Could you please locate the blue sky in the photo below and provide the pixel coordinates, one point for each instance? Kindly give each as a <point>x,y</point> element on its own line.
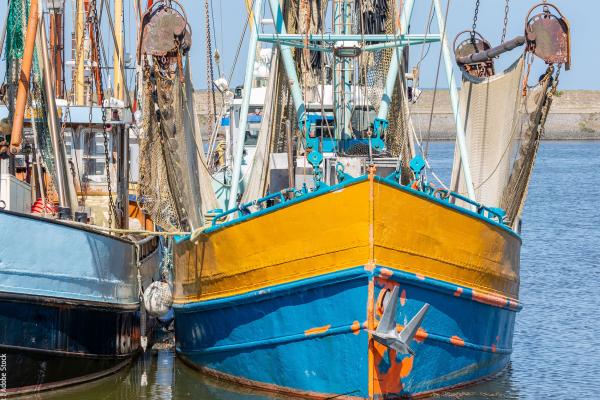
<point>582,15</point>
<point>229,17</point>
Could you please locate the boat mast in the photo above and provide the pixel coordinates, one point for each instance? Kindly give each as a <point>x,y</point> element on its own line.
<point>119,86</point>
<point>16,138</point>
<point>123,131</point>
<point>79,54</point>
<point>57,38</point>
<point>67,196</point>
<point>344,69</point>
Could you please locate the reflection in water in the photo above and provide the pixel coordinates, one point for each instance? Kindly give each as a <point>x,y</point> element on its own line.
<point>157,375</point>
<point>555,345</point>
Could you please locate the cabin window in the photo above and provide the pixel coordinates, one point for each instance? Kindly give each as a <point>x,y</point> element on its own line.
<point>92,156</point>
<point>323,128</point>
<point>68,138</point>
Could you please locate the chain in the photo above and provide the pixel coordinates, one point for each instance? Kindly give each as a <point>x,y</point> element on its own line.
<point>555,80</point>
<point>212,112</point>
<point>506,10</point>
<point>112,209</point>
<point>474,26</point>
<point>111,204</point>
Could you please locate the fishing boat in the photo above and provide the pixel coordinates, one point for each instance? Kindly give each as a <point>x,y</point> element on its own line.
<point>361,278</point>
<point>70,285</point>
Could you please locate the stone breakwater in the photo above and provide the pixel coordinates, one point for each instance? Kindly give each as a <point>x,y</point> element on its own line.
<point>575,114</point>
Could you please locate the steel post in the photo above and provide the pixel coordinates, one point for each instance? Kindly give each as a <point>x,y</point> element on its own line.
<point>288,62</point>
<point>390,82</point>
<point>65,187</point>
<point>460,129</point>
<point>241,131</point>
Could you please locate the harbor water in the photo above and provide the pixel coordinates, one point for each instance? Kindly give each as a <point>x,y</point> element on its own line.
<point>556,351</point>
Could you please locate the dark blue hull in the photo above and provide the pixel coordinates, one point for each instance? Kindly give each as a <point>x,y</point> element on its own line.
<point>50,342</point>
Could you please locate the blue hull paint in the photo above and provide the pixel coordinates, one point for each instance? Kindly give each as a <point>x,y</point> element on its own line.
<point>302,337</point>
<point>49,258</point>
<point>68,302</point>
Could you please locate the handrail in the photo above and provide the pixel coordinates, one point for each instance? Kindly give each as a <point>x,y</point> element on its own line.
<point>490,213</point>
<point>245,208</point>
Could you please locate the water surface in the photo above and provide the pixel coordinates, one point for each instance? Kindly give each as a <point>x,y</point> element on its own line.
<point>556,344</point>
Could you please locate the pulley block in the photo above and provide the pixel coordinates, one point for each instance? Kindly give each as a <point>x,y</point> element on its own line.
<point>475,43</point>
<point>166,30</point>
<point>548,35</point>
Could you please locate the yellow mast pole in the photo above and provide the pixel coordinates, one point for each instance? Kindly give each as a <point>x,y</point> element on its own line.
<point>119,87</point>
<point>79,54</point>
<point>249,9</point>
<point>16,139</point>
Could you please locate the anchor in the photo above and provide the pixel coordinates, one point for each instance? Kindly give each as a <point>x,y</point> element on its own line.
<point>386,333</point>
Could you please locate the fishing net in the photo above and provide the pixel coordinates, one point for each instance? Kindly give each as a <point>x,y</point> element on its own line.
<point>503,130</point>
<point>15,29</point>
<point>156,198</point>
<point>175,186</point>
<point>490,111</point>
<point>536,107</point>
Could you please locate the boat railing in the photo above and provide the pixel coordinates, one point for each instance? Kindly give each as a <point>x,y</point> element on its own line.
<point>441,194</point>
<point>493,213</point>
<point>246,208</point>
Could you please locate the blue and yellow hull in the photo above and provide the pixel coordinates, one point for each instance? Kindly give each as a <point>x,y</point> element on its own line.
<point>281,300</point>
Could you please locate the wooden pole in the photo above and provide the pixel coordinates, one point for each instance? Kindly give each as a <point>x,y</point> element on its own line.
<point>57,47</point>
<point>67,197</point>
<point>16,138</point>
<point>119,88</point>
<point>79,54</point>
<point>95,58</point>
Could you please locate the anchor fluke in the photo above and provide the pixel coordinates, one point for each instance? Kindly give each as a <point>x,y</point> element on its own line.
<point>386,333</point>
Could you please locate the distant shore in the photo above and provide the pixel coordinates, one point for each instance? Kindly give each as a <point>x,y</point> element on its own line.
<point>575,115</point>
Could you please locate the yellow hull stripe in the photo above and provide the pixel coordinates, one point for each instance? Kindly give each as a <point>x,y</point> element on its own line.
<point>365,223</point>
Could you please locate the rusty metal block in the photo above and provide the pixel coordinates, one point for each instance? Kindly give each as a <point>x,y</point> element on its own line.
<point>165,31</point>
<point>548,35</point>
<point>474,44</point>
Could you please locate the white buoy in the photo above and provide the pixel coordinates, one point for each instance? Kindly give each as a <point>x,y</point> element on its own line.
<point>158,298</point>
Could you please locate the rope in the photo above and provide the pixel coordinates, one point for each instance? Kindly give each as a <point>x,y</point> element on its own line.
<point>141,232</point>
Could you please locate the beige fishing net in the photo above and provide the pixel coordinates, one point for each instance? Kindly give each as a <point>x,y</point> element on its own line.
<point>503,129</point>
